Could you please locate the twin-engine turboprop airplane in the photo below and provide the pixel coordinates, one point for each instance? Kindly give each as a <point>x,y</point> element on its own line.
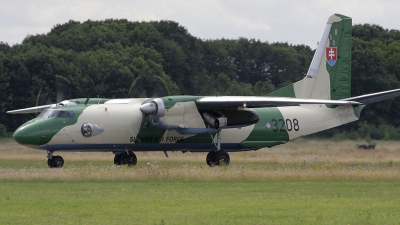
<point>217,125</point>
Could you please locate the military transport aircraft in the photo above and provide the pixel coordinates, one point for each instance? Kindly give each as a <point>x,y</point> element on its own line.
<point>214,124</point>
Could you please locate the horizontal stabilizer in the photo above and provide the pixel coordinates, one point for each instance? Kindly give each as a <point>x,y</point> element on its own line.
<point>374,97</point>
<point>254,101</point>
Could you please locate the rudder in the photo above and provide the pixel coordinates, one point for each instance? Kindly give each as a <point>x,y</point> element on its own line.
<point>341,71</point>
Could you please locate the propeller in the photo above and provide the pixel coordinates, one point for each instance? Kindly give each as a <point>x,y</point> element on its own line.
<point>155,109</point>
<point>141,88</point>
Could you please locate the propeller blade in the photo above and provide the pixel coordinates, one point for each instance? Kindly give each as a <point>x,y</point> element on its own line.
<point>31,109</point>
<point>61,89</point>
<point>62,86</point>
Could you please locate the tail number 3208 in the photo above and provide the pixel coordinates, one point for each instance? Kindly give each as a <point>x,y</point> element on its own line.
<point>283,125</point>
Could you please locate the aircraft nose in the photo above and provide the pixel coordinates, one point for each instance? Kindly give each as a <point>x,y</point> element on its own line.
<point>28,135</point>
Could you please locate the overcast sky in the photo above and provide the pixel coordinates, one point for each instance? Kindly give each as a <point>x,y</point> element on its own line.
<point>292,21</point>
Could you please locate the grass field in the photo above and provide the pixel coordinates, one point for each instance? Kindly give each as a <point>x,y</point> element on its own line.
<point>302,182</point>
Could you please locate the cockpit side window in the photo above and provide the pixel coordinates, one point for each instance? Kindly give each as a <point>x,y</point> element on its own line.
<point>62,114</point>
<point>71,114</point>
<point>50,113</point>
<point>44,113</point>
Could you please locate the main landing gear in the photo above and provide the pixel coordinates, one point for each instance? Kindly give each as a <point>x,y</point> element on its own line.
<point>218,157</point>
<point>54,161</point>
<point>126,158</point>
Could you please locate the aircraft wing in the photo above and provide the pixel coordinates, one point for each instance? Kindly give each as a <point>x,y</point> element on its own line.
<point>374,97</point>
<point>31,109</point>
<point>254,101</point>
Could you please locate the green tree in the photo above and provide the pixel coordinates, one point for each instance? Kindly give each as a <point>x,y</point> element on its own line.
<point>263,88</point>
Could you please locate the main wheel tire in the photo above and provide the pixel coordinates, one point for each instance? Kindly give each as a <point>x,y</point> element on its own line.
<point>49,163</point>
<point>117,159</point>
<point>131,160</point>
<point>209,158</point>
<point>128,159</point>
<point>57,162</point>
<point>221,158</point>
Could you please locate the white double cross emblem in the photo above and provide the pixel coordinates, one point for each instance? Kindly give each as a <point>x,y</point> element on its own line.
<point>331,53</point>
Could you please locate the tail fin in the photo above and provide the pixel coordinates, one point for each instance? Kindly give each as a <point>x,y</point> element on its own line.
<point>329,75</point>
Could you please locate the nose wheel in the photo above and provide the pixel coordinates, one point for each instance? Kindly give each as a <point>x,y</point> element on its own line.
<point>54,161</point>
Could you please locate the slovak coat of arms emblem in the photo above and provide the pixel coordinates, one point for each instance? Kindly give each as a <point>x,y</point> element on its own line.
<point>331,55</point>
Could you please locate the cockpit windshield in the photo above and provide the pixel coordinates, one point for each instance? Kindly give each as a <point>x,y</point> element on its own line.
<point>50,113</point>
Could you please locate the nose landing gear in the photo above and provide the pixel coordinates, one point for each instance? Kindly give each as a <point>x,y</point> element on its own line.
<point>54,161</point>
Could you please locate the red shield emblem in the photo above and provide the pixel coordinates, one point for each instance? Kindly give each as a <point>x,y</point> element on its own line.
<point>331,55</point>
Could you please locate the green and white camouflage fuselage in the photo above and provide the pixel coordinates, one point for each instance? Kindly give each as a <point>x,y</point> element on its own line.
<point>119,125</point>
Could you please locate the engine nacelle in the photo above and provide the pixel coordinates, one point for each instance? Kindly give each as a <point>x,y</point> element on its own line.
<point>155,109</point>
<point>215,122</point>
<point>65,102</point>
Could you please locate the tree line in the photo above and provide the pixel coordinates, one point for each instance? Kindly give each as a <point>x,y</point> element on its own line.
<point>120,58</point>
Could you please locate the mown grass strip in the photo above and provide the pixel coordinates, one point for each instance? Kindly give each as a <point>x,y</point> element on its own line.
<point>204,173</point>
<point>199,202</point>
